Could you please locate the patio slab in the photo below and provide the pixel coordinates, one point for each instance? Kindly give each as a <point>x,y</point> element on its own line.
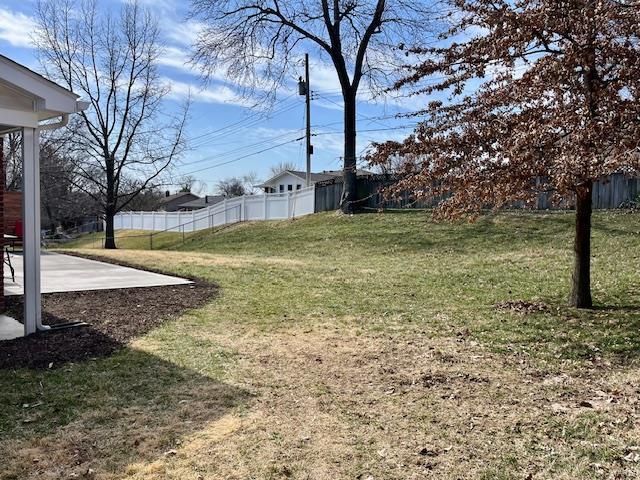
<point>10,328</point>
<point>66,273</point>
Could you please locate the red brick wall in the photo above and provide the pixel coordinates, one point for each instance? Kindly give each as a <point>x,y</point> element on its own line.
<point>12,210</point>
<point>2,182</point>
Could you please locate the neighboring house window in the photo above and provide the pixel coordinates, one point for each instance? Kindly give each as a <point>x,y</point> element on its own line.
<point>290,187</point>
<point>298,187</point>
<point>281,188</point>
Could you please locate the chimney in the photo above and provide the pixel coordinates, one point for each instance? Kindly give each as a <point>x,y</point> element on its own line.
<point>167,193</point>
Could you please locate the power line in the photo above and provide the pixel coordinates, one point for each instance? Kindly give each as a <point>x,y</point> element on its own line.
<point>223,131</point>
<point>239,149</point>
<point>244,156</point>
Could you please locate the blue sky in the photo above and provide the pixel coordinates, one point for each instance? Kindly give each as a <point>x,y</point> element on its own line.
<point>216,105</point>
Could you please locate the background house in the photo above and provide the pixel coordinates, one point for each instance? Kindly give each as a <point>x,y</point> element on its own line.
<point>291,180</point>
<point>187,202</point>
<point>171,203</point>
<point>197,204</point>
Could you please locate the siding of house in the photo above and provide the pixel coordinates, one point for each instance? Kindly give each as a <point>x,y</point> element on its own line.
<point>284,181</point>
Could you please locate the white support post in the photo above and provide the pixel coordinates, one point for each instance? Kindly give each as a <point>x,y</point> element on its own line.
<point>224,209</point>
<point>31,234</point>
<point>288,205</point>
<point>264,207</point>
<point>153,221</point>
<point>141,220</point>
<point>193,220</point>
<point>243,210</point>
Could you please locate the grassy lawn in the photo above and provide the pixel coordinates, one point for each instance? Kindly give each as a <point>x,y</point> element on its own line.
<point>364,347</point>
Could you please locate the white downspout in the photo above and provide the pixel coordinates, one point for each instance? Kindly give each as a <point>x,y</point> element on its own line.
<point>64,120</point>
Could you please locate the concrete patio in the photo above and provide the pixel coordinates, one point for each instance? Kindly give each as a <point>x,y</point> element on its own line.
<point>66,273</point>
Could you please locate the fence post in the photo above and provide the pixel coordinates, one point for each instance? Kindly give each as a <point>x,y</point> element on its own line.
<point>289,205</point>
<point>243,208</point>
<point>151,241</point>
<point>193,220</point>
<point>265,206</point>
<point>153,221</point>
<point>224,208</point>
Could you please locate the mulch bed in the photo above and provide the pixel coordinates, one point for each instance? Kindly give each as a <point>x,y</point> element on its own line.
<point>115,317</point>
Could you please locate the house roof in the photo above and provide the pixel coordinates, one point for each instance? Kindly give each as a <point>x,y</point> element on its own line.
<point>205,201</point>
<point>27,97</point>
<point>177,196</point>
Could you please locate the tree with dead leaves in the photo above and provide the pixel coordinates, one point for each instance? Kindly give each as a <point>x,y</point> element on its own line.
<point>554,106</point>
<point>255,43</point>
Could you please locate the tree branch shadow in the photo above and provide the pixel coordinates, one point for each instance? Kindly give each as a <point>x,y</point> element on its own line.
<point>101,417</point>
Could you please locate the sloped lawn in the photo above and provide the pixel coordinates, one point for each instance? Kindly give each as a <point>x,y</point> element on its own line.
<point>380,346</point>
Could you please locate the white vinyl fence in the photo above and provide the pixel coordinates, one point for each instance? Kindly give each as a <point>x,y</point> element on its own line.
<point>272,206</point>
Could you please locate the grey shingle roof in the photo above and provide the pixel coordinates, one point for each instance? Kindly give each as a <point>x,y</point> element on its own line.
<point>206,201</point>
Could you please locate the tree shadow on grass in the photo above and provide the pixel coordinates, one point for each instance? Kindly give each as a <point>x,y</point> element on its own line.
<point>106,417</point>
<point>604,332</point>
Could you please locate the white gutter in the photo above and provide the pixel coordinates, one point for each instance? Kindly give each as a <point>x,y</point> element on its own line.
<point>64,120</point>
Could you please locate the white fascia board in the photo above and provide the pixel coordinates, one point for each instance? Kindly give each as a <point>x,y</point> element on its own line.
<point>18,118</point>
<point>56,98</point>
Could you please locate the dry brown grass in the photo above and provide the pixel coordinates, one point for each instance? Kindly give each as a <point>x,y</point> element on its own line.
<point>325,403</point>
<point>332,404</point>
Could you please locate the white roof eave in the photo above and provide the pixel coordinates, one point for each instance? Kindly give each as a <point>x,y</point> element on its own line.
<point>49,99</point>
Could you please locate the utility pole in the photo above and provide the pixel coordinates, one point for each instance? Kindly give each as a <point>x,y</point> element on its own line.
<point>304,89</point>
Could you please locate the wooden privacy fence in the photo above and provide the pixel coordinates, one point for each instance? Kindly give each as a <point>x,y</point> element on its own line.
<point>607,194</point>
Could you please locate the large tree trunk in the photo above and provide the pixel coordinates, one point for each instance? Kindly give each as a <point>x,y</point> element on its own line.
<point>110,204</point>
<point>350,186</point>
<point>109,232</point>
<point>581,280</point>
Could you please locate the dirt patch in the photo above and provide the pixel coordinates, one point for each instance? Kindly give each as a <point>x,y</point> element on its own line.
<point>115,317</point>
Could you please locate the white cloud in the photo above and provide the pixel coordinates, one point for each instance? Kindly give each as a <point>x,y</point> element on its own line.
<point>182,33</point>
<point>220,94</point>
<point>175,57</point>
<point>16,28</point>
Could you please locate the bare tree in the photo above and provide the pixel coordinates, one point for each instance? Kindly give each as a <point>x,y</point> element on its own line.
<point>189,183</point>
<point>257,41</point>
<point>278,168</point>
<point>122,144</point>
<point>63,205</point>
<point>558,109</point>
<point>231,187</point>
<point>13,161</point>
<point>238,186</point>
<point>251,181</point>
